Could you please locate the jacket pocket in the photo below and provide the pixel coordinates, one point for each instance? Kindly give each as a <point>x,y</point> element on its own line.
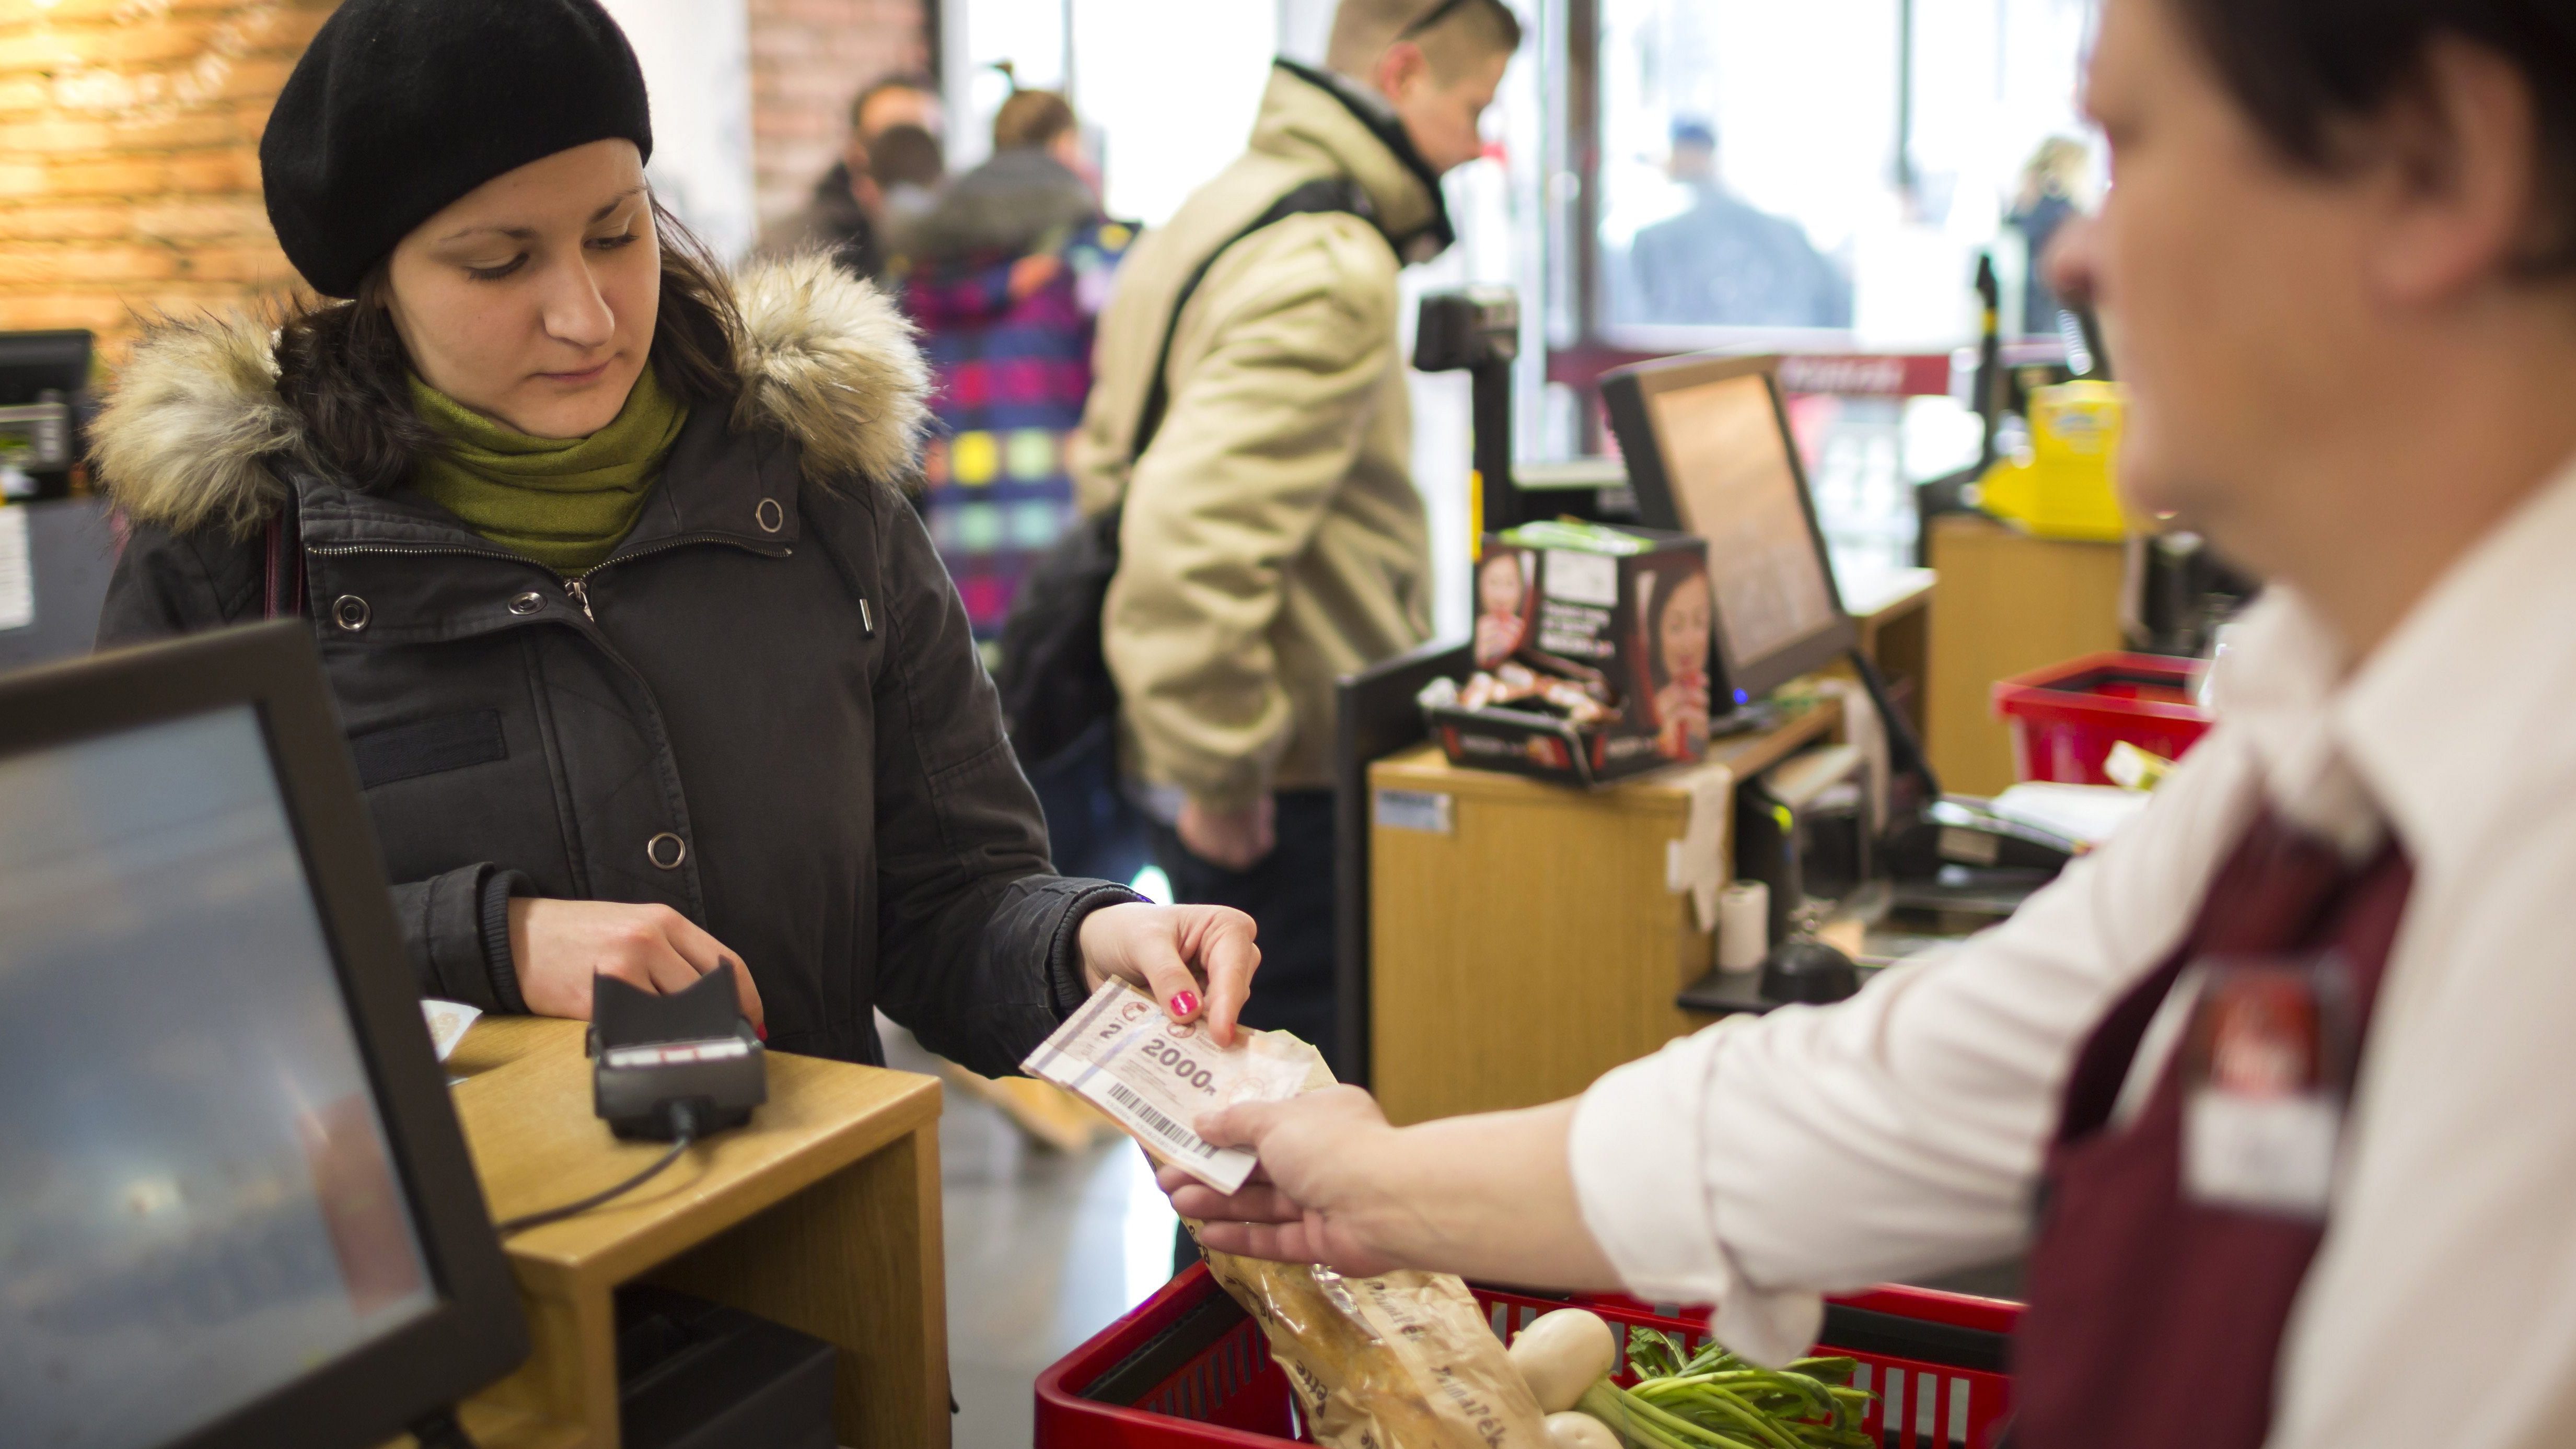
<point>427,747</point>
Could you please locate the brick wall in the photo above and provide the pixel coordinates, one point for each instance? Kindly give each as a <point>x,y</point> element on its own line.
<point>129,168</point>
<point>129,139</point>
<point>808,58</point>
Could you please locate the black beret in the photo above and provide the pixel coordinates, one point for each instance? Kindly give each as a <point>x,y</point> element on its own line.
<point>402,106</point>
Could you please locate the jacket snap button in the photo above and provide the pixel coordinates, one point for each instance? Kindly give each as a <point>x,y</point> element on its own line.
<point>666,850</point>
<point>769,516</point>
<point>349,612</point>
<point>527,603</point>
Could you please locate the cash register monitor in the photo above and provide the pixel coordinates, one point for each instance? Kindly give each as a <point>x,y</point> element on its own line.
<point>35,363</point>
<point>1709,452</point>
<point>235,1205</point>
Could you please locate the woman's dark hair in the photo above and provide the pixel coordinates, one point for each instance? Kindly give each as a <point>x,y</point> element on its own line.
<point>342,367</point>
<point>2300,66</point>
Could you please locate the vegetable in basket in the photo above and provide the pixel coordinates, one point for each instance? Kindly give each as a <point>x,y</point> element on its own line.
<point>1710,1399</point>
<point>1561,1354</point>
<point>1572,1430</point>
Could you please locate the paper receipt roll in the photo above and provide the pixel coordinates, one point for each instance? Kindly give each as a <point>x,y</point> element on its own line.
<point>1743,925</point>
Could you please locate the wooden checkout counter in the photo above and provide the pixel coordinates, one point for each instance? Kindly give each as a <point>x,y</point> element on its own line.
<point>822,1215</point>
<point>1533,944</point>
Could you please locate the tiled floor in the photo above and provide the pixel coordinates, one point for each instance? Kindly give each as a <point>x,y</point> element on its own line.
<point>1043,1250</point>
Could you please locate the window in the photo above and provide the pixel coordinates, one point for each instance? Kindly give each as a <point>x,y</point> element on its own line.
<point>1834,164</point>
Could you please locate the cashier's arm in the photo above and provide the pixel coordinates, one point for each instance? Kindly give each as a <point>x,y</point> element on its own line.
<point>1488,1197</point>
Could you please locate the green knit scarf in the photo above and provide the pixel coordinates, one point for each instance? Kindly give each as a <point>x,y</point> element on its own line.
<point>565,502</point>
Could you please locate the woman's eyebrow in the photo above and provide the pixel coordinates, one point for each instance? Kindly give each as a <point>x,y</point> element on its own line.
<point>614,202</point>
<point>523,233</point>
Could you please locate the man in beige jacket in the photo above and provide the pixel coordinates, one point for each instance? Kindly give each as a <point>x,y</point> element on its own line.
<point>1272,539</point>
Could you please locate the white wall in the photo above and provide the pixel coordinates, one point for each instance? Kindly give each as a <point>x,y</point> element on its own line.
<point>696,56</point>
<point>1166,89</point>
<point>1306,28</point>
<point>1030,34</point>
<point>1172,86</point>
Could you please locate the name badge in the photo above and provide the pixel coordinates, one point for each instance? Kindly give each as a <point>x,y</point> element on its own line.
<point>2267,1064</point>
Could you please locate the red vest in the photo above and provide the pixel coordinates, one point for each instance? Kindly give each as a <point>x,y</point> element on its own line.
<point>2155,1320</point>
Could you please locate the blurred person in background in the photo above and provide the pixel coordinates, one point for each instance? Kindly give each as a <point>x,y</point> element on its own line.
<point>909,171</point>
<point>1727,262</point>
<point>1271,539</point>
<point>2051,184</point>
<point>1005,275</point>
<point>843,215</point>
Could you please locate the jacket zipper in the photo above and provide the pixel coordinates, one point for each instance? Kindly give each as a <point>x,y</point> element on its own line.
<point>343,550</point>
<point>577,587</point>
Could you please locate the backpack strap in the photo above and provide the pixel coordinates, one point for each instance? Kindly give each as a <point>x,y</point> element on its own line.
<point>282,563</point>
<point>1326,194</point>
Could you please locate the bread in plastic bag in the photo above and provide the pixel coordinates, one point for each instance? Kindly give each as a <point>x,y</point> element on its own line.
<point>1398,1361</point>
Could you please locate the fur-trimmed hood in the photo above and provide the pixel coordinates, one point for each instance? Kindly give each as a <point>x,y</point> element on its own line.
<point>192,435</point>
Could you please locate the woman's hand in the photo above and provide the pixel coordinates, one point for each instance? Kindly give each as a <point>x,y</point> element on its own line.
<point>1315,1196</point>
<point>558,946</point>
<point>1177,955</point>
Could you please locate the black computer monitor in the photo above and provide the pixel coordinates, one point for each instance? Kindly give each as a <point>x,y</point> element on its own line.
<point>1709,452</point>
<point>235,1205</point>
<point>34,363</point>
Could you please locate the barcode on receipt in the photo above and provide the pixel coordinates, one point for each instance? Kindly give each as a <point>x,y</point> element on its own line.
<point>1163,1127</point>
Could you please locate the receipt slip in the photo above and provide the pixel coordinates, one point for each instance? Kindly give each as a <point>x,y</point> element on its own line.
<point>1154,1076</point>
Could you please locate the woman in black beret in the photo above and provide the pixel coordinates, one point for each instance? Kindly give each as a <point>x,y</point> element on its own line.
<point>646,664</point>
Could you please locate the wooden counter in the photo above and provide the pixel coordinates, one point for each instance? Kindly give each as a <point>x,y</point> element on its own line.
<point>2010,603</point>
<point>822,1214</point>
<point>1535,945</point>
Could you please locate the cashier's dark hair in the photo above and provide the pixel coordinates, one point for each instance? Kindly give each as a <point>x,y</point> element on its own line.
<point>341,365</point>
<point>2298,67</point>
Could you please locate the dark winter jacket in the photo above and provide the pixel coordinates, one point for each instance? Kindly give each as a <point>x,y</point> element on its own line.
<point>763,710</point>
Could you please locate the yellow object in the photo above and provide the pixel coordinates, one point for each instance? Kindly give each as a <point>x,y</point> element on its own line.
<point>974,459</point>
<point>2066,487</point>
<point>2132,768</point>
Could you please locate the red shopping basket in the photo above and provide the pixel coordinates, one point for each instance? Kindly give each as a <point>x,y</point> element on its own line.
<point>2065,718</point>
<point>1188,1367</point>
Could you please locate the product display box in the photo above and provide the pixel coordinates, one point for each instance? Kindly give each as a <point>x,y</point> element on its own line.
<point>1591,651</point>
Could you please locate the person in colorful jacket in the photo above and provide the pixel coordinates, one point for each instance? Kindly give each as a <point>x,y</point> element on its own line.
<point>1004,276</point>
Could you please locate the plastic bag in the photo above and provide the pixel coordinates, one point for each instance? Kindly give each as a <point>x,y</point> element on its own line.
<point>1399,1361</point>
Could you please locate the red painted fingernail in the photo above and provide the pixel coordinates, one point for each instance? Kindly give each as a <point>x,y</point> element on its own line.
<point>1185,1003</point>
<point>761,1032</point>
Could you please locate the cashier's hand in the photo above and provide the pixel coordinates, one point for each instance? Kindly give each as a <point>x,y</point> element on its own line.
<point>1313,1199</point>
<point>1196,960</point>
<point>558,946</point>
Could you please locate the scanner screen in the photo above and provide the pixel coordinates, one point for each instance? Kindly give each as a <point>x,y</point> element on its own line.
<point>1735,486</point>
<point>197,1203</point>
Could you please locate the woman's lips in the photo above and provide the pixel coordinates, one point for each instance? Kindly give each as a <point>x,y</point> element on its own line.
<point>577,379</point>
